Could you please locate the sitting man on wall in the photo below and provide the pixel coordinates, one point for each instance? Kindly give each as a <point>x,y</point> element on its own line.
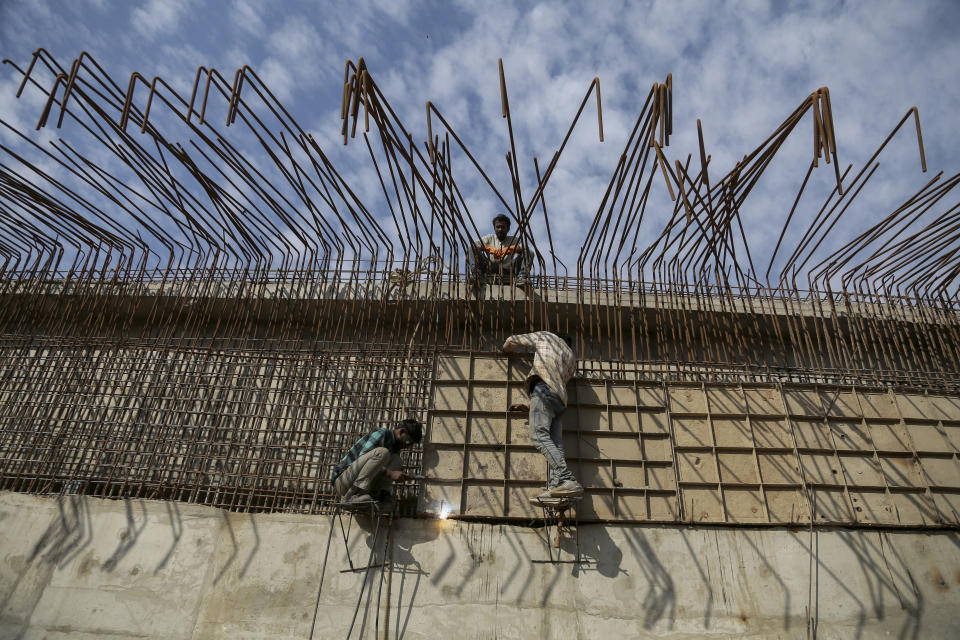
<point>500,255</point>
<point>373,463</point>
<point>554,363</point>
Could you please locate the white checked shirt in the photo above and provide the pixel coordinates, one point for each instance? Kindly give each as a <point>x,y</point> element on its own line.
<point>553,360</point>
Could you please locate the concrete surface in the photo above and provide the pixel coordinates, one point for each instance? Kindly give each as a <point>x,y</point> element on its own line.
<point>80,568</point>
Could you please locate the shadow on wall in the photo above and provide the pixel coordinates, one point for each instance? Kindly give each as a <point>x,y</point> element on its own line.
<point>68,534</point>
<point>407,574</point>
<point>661,598</point>
<point>235,551</point>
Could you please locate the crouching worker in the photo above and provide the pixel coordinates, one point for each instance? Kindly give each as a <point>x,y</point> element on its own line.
<point>553,365</point>
<point>373,463</point>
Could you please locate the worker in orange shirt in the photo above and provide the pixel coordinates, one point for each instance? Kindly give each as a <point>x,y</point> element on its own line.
<point>499,257</point>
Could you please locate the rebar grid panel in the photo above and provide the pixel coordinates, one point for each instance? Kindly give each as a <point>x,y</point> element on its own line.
<point>648,449</point>
<point>245,430</point>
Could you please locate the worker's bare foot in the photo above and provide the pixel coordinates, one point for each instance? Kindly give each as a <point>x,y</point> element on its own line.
<point>519,407</point>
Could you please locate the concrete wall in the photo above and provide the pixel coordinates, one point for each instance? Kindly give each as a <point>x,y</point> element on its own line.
<point>81,568</point>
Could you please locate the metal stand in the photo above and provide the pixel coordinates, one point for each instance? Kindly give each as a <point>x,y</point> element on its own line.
<point>561,515</point>
<point>376,511</point>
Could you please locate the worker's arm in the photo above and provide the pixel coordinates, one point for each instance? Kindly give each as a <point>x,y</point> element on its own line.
<point>520,341</point>
<point>396,476</point>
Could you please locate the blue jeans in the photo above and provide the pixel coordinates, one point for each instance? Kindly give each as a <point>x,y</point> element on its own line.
<point>546,431</point>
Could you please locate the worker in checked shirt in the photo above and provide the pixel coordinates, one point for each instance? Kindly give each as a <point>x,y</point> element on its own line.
<point>554,363</point>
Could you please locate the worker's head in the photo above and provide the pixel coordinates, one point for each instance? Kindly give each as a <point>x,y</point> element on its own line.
<point>501,226</point>
<point>566,337</point>
<point>408,432</point>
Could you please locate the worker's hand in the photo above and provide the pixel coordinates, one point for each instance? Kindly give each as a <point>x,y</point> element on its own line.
<point>396,476</point>
<point>519,407</point>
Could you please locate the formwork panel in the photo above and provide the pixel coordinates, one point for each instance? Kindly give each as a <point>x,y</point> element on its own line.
<point>812,434</point>
<point>590,394</point>
<point>732,432</point>
<point>489,369</point>
<point>821,468</point>
<point>952,433</point>
<point>692,432</point>
<point>687,400</point>
<point>772,433</point>
<point>852,436</point>
<point>443,464</point>
<point>861,470</point>
<point>596,474</point>
<point>914,406</point>
<point>697,467</point>
<point>653,422</point>
<point>518,502</point>
<point>651,397</point>
<point>947,503</point>
<point>802,402</point>
<point>941,471</point>
<point>655,448</point>
<point>490,397</point>
<point>901,471</point>
<point>485,465</point>
<point>483,500</point>
<point>914,509</point>
<point>586,418</point>
<point>737,468</point>
<point>873,506</point>
<point>453,368</point>
<point>622,396</point>
<point>726,400</point>
<point>889,436</point>
<point>526,465</point>
<point>703,504</point>
<point>744,505</point>
<point>779,468</point>
<point>623,419</point>
<point>519,429</point>
<point>879,405</point>
<point>596,506</point>
<point>787,506</point>
<point>764,401</point>
<point>450,397</point>
<point>658,477</point>
<point>489,430</point>
<point>831,505</point>
<point>662,508</point>
<point>749,454</point>
<point>838,403</point>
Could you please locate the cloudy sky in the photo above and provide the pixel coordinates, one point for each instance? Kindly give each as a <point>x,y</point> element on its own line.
<point>741,67</point>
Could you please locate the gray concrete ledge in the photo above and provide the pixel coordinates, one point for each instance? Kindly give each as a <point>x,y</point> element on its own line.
<point>78,568</point>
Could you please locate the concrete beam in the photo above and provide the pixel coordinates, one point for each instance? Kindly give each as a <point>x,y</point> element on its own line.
<point>76,567</point>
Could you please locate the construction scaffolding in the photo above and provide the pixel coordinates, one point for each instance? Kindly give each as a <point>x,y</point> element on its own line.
<point>211,314</point>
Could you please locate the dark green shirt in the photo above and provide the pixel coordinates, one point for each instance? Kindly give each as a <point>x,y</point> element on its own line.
<point>379,438</point>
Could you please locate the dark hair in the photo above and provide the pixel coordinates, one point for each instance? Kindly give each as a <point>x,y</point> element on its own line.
<point>566,337</point>
<point>413,427</point>
<point>501,216</point>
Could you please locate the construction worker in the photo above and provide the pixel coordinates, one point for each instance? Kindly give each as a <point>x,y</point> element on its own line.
<point>554,363</point>
<point>373,463</point>
<point>500,255</point>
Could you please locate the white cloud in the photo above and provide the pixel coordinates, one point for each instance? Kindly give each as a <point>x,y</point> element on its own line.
<point>158,17</point>
<point>246,15</point>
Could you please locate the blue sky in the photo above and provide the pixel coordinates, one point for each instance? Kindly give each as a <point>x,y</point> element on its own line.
<point>740,67</point>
